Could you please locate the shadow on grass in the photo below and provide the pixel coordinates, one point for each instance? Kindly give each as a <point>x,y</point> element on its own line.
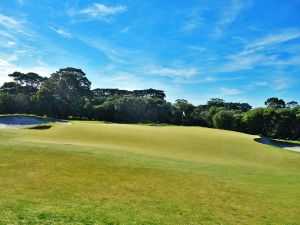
<point>40,127</point>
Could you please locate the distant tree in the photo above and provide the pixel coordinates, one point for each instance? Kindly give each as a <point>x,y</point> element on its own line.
<point>224,119</point>
<point>238,124</point>
<point>183,112</point>
<point>292,104</point>
<point>106,111</point>
<point>149,93</point>
<point>216,102</point>
<point>200,116</point>
<point>45,103</point>
<point>142,110</point>
<point>28,79</point>
<point>210,114</point>
<point>244,107</point>
<point>69,88</point>
<point>275,103</point>
<point>286,125</point>
<point>88,110</point>
<point>110,92</point>
<point>12,88</point>
<point>14,103</point>
<point>104,93</point>
<point>260,121</point>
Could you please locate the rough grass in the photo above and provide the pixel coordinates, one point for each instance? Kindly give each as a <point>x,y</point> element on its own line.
<point>96,173</point>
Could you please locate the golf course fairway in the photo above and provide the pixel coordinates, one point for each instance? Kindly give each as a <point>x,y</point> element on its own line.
<point>98,173</point>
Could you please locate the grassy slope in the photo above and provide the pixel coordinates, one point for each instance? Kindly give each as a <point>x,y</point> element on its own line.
<point>91,172</point>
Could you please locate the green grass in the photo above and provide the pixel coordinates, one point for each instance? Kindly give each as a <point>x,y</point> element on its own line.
<point>96,173</point>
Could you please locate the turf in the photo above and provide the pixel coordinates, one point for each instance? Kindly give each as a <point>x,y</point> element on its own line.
<point>97,173</point>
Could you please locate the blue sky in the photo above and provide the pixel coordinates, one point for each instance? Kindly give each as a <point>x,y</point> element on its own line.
<point>244,51</point>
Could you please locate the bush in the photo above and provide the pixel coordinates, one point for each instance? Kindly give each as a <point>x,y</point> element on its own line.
<point>224,120</point>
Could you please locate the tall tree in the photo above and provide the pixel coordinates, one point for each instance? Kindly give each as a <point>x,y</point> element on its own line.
<point>292,104</point>
<point>216,102</point>
<point>70,88</point>
<point>275,103</point>
<point>11,88</point>
<point>29,82</point>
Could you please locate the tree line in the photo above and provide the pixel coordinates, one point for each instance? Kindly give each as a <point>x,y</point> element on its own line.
<point>67,93</point>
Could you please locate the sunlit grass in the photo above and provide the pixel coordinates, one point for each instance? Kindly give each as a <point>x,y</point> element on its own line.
<point>96,173</point>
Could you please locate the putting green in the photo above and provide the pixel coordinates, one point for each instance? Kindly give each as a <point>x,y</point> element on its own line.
<point>97,173</point>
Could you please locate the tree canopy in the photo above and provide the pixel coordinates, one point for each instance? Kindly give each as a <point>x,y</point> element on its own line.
<point>67,93</point>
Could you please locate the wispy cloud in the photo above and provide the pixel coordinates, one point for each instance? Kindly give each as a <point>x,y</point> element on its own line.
<point>125,29</point>
<point>99,11</point>
<point>183,72</point>
<point>20,2</point>
<point>192,21</point>
<point>12,25</point>
<point>264,52</point>
<point>281,83</point>
<point>271,40</point>
<point>197,48</point>
<point>228,16</point>
<point>8,22</point>
<point>229,91</point>
<point>7,44</point>
<point>62,32</point>
<point>115,54</point>
<point>8,65</point>
<point>239,63</point>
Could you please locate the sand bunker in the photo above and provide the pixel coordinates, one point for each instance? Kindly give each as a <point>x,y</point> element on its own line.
<point>279,144</point>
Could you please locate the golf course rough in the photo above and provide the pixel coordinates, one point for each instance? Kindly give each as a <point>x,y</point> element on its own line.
<point>97,173</point>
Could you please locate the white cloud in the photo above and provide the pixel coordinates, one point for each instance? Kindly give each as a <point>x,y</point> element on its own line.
<point>11,26</point>
<point>193,20</point>
<point>281,83</point>
<point>99,11</point>
<point>264,52</point>
<point>228,16</point>
<point>8,65</point>
<point>62,32</point>
<point>261,83</point>
<point>271,40</point>
<point>191,24</point>
<point>197,48</point>
<point>7,44</point>
<point>185,72</point>
<point>125,29</point>
<point>229,91</point>
<point>9,22</point>
<point>113,53</point>
<point>20,2</point>
<point>238,63</point>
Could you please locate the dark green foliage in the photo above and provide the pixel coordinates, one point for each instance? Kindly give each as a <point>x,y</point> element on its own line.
<point>292,104</point>
<point>200,116</point>
<point>14,103</point>
<point>244,107</point>
<point>182,112</point>
<point>259,121</point>
<point>110,92</point>
<point>275,103</point>
<point>134,110</point>
<point>67,90</point>
<point>216,102</point>
<point>223,120</point>
<point>11,88</point>
<point>67,94</point>
<point>28,80</point>
<point>287,124</point>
